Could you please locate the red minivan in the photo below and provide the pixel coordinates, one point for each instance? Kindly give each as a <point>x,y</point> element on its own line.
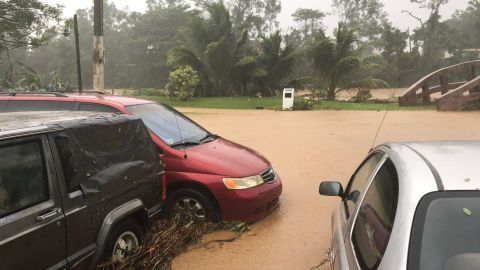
<point>207,176</point>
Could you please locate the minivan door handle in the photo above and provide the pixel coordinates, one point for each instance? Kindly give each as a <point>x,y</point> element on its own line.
<point>49,214</point>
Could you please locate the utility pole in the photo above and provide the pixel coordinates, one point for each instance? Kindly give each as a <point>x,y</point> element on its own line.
<point>409,40</point>
<point>77,48</point>
<point>98,51</point>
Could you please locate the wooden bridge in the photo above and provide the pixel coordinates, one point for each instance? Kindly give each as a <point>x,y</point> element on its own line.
<point>453,96</point>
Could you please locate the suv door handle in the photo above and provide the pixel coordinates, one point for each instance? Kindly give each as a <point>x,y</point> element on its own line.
<point>49,214</point>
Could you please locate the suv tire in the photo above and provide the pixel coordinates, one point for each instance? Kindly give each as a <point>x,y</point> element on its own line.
<point>192,205</point>
<point>125,237</point>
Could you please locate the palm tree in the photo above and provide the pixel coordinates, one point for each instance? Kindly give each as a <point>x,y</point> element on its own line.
<point>277,61</point>
<point>334,60</point>
<point>211,46</point>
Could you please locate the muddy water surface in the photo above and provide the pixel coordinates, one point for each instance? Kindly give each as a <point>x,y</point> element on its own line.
<point>305,148</point>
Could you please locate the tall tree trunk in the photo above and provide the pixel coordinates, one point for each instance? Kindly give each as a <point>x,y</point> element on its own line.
<point>331,95</point>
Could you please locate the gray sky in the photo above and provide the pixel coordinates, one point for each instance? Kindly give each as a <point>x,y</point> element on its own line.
<point>393,7</point>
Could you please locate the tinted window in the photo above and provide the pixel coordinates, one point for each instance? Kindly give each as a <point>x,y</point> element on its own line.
<point>165,123</point>
<point>65,153</point>
<point>23,180</point>
<point>96,108</point>
<point>2,105</point>
<point>446,232</point>
<point>38,105</point>
<point>359,180</point>
<point>375,218</point>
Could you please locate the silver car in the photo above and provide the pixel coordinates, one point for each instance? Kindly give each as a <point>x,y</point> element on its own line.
<point>410,206</point>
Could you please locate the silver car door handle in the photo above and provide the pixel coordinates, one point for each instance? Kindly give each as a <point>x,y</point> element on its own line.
<point>49,214</point>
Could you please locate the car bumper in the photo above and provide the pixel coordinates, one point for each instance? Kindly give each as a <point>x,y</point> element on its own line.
<point>250,205</point>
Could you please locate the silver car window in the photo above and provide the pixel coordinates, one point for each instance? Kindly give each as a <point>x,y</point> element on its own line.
<point>375,217</point>
<point>359,180</point>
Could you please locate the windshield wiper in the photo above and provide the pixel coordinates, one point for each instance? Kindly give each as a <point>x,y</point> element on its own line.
<point>186,143</point>
<point>208,138</point>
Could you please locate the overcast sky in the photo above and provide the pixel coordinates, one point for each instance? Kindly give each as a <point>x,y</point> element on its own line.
<point>393,7</point>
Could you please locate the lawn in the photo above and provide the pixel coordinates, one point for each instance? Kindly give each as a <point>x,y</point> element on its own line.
<point>251,103</point>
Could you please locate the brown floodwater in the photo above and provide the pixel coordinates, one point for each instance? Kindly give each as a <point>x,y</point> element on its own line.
<point>306,148</point>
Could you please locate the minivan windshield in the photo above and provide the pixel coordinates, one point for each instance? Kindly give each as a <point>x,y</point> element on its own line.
<point>446,232</point>
<point>162,121</point>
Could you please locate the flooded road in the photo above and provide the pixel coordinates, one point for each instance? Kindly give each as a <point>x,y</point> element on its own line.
<point>306,148</point>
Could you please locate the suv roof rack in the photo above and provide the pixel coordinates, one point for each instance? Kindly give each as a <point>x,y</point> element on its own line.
<point>89,92</point>
<point>57,94</point>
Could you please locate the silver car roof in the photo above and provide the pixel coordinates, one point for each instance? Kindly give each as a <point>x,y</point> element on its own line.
<point>423,168</point>
<point>454,164</point>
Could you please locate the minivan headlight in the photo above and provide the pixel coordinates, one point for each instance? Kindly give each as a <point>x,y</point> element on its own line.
<point>243,183</point>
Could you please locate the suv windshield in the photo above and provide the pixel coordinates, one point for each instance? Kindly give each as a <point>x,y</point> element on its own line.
<point>162,120</point>
<point>446,232</point>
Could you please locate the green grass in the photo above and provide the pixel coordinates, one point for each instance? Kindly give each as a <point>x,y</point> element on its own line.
<point>251,103</point>
<point>350,106</point>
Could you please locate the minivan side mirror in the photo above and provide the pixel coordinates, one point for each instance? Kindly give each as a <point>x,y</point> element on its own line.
<point>331,189</point>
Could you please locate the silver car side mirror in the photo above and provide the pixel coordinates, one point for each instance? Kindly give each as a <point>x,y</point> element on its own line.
<point>331,189</point>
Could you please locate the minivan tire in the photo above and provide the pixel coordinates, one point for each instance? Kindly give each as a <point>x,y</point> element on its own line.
<point>128,228</point>
<point>195,203</point>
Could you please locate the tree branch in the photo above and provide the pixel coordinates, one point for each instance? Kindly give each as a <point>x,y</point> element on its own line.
<point>413,16</point>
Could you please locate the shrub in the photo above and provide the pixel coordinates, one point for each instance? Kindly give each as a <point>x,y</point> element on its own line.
<point>363,95</point>
<point>303,105</point>
<point>150,92</point>
<point>183,82</point>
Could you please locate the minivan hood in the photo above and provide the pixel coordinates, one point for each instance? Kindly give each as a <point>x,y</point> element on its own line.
<point>226,158</point>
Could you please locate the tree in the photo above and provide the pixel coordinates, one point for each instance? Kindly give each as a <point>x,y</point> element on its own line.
<point>465,26</point>
<point>26,23</point>
<point>367,17</point>
<point>394,43</point>
<point>277,62</point>
<point>311,21</point>
<point>339,67</point>
<point>152,36</point>
<point>183,82</point>
<point>430,33</point>
<point>335,59</point>
<point>256,16</point>
<point>212,47</point>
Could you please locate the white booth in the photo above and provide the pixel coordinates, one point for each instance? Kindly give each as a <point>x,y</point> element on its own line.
<point>288,98</point>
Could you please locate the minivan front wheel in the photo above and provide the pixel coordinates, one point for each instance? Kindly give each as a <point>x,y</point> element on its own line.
<point>192,205</point>
<point>125,238</point>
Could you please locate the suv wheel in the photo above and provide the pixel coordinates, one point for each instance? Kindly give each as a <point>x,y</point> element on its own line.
<point>125,238</point>
<point>192,205</point>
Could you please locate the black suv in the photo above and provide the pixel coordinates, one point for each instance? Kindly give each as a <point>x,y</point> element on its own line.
<point>75,188</point>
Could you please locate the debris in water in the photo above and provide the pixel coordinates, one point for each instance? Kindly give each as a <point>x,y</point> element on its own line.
<point>168,238</point>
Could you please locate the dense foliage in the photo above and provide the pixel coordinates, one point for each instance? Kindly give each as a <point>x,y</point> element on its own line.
<point>183,82</point>
<point>26,23</point>
<point>236,47</point>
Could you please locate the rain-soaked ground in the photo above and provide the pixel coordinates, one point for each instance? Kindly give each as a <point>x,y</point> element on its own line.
<point>305,148</point>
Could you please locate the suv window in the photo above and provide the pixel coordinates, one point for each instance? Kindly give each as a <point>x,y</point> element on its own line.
<point>375,218</point>
<point>38,105</point>
<point>90,107</point>
<point>359,180</point>
<point>23,181</point>
<point>65,153</point>
<point>2,105</point>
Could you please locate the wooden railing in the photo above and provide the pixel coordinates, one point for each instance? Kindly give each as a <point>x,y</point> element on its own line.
<point>421,92</point>
<point>458,98</point>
